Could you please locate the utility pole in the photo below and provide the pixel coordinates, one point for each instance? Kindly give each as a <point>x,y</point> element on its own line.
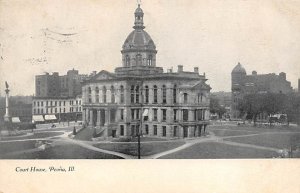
<point>141,122</point>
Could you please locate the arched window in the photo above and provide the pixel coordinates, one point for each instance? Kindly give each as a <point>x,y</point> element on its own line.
<point>139,60</point>
<point>97,94</point>
<point>89,94</point>
<point>127,60</point>
<point>164,94</point>
<point>122,94</point>
<point>112,91</point>
<point>175,94</point>
<point>132,94</point>
<point>137,94</point>
<point>104,94</point>
<point>155,94</point>
<point>146,94</point>
<point>149,61</point>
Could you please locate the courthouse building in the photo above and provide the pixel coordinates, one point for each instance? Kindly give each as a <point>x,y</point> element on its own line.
<point>140,95</point>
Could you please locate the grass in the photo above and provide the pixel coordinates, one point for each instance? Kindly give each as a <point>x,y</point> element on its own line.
<point>213,150</point>
<point>66,151</point>
<point>36,136</point>
<point>223,132</point>
<point>255,129</point>
<point>6,147</point>
<point>146,148</point>
<point>275,140</point>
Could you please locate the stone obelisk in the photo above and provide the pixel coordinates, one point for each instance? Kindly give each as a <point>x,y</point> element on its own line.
<point>7,117</point>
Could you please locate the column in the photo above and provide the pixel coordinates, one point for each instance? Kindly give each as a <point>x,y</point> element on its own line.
<point>91,118</point>
<point>83,116</point>
<point>98,117</point>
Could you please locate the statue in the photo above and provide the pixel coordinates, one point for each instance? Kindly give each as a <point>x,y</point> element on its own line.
<point>7,117</point>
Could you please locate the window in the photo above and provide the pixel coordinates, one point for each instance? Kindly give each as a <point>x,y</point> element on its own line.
<point>164,94</point>
<point>154,114</point>
<point>42,103</point>
<point>122,94</point>
<point>38,104</point>
<point>132,114</point>
<point>104,94</point>
<point>175,94</point>
<point>146,129</point>
<point>137,111</point>
<point>112,90</point>
<point>164,131</point>
<point>200,97</point>
<point>132,94</point>
<point>149,60</point>
<point>112,115</point>
<point>38,111</point>
<point>97,95</point>
<point>185,97</point>
<point>55,110</point>
<point>89,94</point>
<point>164,114</point>
<point>132,130</point>
<point>154,129</point>
<point>64,110</point>
<point>34,103</point>
<point>139,60</point>
<point>185,114</point>
<point>175,114</point>
<point>122,114</point>
<point>175,131</point>
<point>64,103</point>
<point>146,94</point>
<point>155,94</point>
<point>42,111</point>
<point>122,130</point>
<point>127,60</point>
<point>137,94</point>
<point>59,103</point>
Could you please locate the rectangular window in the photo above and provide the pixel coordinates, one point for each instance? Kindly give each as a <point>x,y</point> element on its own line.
<point>164,114</point>
<point>137,113</point>
<point>122,130</point>
<point>132,114</point>
<point>38,104</point>
<point>175,131</point>
<point>185,115</point>
<point>154,114</point>
<point>175,114</point>
<point>154,129</point>
<point>132,130</point>
<point>146,129</point>
<point>122,114</point>
<point>164,128</point>
<point>42,104</point>
<point>185,97</point>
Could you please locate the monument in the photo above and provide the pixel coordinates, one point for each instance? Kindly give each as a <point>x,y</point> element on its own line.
<point>7,117</point>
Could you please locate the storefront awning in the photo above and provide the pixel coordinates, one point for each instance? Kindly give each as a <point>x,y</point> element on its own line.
<point>50,117</point>
<point>15,120</point>
<point>37,118</point>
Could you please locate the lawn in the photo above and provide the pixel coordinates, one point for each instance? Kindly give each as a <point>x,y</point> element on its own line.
<point>255,129</point>
<point>213,150</point>
<point>224,132</point>
<point>66,151</point>
<point>36,136</point>
<point>7,147</point>
<point>275,140</point>
<point>146,148</point>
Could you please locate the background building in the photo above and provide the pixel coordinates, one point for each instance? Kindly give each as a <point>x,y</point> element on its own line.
<point>55,86</point>
<point>172,104</point>
<point>243,84</point>
<point>56,109</point>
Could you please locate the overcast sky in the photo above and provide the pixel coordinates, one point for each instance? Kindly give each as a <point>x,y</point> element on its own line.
<point>212,35</point>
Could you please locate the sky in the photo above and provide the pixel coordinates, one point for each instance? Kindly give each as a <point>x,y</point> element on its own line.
<point>38,36</point>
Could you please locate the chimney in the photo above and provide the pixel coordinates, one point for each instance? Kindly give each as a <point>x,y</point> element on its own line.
<point>180,68</point>
<point>282,75</point>
<point>196,69</point>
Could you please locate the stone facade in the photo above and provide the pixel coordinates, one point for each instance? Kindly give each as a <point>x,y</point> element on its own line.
<point>140,95</point>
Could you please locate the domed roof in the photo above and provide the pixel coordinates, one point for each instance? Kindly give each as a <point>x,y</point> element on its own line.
<point>139,39</point>
<point>239,69</point>
<point>139,10</point>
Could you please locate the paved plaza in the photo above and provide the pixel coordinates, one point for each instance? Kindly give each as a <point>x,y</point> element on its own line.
<point>221,141</point>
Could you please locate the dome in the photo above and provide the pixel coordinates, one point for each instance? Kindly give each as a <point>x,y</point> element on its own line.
<point>139,39</point>
<point>139,10</point>
<point>239,69</point>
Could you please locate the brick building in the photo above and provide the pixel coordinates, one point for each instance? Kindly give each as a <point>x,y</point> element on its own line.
<point>172,104</point>
<point>243,84</point>
<point>53,85</point>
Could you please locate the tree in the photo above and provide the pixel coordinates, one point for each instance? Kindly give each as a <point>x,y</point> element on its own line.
<point>216,108</point>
